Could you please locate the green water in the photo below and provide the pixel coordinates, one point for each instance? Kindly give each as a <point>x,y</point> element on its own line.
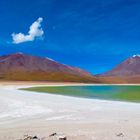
<point>122,93</point>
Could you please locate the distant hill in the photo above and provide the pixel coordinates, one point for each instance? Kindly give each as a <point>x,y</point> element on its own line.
<point>24,67</point>
<point>126,72</point>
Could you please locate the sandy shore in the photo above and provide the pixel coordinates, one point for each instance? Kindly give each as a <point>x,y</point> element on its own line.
<point>23,112</point>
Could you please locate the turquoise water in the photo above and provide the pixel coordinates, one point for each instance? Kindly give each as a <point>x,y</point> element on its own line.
<point>122,93</point>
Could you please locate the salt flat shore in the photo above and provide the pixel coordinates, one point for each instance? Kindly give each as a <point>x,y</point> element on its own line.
<point>24,112</point>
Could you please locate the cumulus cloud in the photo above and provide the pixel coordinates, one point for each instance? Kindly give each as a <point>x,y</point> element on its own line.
<point>35,31</point>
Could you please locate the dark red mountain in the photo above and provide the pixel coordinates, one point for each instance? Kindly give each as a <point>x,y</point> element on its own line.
<point>20,66</point>
<point>129,67</point>
<point>126,72</point>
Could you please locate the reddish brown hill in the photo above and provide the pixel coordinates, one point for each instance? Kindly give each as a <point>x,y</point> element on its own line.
<point>126,72</point>
<point>20,66</point>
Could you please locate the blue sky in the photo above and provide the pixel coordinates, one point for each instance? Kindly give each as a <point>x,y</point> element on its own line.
<point>92,34</point>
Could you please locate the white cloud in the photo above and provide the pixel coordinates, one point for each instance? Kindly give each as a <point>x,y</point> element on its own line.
<point>34,32</point>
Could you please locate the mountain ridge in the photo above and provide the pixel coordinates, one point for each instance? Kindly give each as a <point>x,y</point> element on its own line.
<point>128,67</point>
<point>20,66</point>
<point>128,71</point>
<point>23,67</point>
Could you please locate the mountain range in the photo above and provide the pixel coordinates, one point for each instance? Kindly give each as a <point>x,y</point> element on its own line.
<point>23,67</point>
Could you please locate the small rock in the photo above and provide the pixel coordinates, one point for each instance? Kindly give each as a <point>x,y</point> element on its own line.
<point>35,137</point>
<point>54,134</point>
<point>62,138</point>
<point>120,135</point>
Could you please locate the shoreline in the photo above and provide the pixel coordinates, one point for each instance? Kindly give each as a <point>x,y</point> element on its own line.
<point>23,112</point>
<point>79,97</point>
<point>59,83</point>
<point>79,84</point>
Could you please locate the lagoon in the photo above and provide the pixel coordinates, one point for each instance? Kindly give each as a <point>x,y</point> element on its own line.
<point>129,93</point>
